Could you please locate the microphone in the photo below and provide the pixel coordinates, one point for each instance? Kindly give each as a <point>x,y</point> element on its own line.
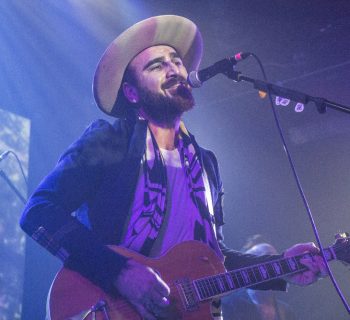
<point>196,78</point>
<point>4,155</point>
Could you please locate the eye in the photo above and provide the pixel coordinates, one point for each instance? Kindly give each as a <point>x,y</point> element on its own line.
<point>178,62</point>
<point>156,66</point>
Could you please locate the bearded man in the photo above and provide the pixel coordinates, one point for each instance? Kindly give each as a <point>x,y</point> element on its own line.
<point>142,183</point>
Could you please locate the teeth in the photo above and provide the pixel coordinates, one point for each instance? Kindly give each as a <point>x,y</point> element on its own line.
<point>171,83</point>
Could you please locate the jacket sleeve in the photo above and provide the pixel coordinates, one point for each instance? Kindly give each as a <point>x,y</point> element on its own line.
<point>48,217</point>
<point>233,258</point>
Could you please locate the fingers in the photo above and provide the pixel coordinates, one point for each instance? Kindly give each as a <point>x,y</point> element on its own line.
<point>149,307</point>
<point>159,300</point>
<point>311,259</point>
<point>144,289</point>
<point>303,279</point>
<point>316,265</point>
<point>310,264</point>
<point>161,287</point>
<point>310,247</point>
<point>307,278</point>
<point>301,248</point>
<point>323,270</point>
<point>156,307</point>
<point>314,262</point>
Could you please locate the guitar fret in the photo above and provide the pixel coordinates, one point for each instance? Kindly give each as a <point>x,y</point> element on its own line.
<point>252,275</point>
<point>224,283</point>
<point>240,279</point>
<point>230,282</point>
<point>270,270</point>
<point>257,274</point>
<point>263,271</point>
<point>215,286</point>
<point>245,276</point>
<point>209,287</point>
<point>293,266</point>
<point>200,289</point>
<point>212,286</point>
<point>185,295</point>
<point>221,287</point>
<point>277,268</point>
<point>285,266</point>
<point>204,289</point>
<point>235,279</point>
<point>219,284</point>
<point>298,265</point>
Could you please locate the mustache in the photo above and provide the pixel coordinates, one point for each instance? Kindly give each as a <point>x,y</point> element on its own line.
<point>173,81</point>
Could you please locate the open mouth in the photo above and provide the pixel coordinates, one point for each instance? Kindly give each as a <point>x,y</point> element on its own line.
<point>179,88</point>
<point>174,84</point>
<point>170,84</point>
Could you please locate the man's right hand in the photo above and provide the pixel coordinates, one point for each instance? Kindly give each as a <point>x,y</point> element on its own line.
<point>144,289</point>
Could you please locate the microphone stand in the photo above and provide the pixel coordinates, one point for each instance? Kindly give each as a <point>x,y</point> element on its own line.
<point>321,103</point>
<point>14,189</point>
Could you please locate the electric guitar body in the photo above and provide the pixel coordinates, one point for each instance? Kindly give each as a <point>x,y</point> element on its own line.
<point>72,295</point>
<point>192,270</point>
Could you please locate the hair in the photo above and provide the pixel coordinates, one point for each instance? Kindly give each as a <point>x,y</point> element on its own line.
<point>253,240</point>
<point>129,75</point>
<point>257,244</point>
<point>261,249</point>
<point>128,108</point>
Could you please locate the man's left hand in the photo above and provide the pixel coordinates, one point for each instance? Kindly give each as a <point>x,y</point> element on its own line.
<point>314,263</point>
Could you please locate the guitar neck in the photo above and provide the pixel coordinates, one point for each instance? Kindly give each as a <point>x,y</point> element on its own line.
<point>218,285</point>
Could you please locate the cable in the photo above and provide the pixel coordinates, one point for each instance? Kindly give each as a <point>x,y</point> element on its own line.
<point>20,166</point>
<point>301,191</point>
<point>5,154</point>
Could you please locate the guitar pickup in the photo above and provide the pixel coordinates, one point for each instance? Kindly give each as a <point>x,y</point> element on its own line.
<point>187,294</point>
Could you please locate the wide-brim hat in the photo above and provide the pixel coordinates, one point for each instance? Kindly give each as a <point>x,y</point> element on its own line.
<point>175,31</point>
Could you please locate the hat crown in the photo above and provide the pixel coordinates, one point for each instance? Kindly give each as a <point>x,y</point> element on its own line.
<point>175,31</point>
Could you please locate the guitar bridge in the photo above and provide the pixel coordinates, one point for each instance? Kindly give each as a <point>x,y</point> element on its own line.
<point>187,293</point>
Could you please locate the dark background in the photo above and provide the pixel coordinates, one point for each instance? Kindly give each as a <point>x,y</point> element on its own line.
<point>49,50</point>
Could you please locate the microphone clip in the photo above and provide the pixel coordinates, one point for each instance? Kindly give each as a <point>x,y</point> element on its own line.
<point>226,67</point>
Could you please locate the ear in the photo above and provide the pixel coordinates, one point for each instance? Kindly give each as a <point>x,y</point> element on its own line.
<point>130,92</point>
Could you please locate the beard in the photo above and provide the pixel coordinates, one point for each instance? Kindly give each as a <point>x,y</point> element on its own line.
<point>165,110</point>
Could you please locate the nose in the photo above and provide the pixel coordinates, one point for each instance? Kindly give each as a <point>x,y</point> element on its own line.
<point>173,70</point>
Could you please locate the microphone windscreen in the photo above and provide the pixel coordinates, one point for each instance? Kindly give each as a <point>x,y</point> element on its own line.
<point>193,80</point>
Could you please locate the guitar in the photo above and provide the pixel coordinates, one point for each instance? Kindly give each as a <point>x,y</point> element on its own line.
<point>193,272</point>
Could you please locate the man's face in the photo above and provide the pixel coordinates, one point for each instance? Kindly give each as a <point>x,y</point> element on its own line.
<point>161,84</point>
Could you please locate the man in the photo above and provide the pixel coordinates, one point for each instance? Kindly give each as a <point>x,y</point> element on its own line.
<point>143,182</point>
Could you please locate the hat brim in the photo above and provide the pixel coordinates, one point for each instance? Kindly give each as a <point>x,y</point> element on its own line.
<point>175,31</point>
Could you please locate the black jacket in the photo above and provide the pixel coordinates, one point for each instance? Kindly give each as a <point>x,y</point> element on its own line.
<point>82,205</point>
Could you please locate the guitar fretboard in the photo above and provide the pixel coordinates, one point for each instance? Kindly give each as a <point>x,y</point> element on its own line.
<point>218,285</point>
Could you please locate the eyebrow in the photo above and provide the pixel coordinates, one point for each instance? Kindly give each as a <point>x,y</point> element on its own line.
<point>160,59</point>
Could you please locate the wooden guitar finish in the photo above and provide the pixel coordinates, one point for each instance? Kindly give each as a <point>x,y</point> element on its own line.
<point>72,295</point>
<point>193,272</point>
